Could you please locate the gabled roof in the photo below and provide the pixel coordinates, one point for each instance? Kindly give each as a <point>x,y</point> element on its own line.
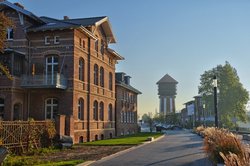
<point>52,24</point>
<point>167,79</point>
<point>85,21</point>
<point>5,4</point>
<point>129,87</point>
<point>102,21</point>
<point>115,54</point>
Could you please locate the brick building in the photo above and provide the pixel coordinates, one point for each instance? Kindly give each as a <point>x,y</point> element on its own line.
<point>62,70</point>
<point>126,105</point>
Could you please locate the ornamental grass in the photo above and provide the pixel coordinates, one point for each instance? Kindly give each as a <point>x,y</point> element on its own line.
<point>220,144</point>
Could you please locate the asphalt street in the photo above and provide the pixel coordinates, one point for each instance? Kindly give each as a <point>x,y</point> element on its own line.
<point>176,148</point>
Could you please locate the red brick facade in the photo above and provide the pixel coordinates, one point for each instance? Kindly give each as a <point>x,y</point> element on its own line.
<point>53,76</point>
<point>126,106</point>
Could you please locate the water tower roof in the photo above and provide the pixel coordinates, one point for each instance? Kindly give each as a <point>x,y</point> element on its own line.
<point>167,79</point>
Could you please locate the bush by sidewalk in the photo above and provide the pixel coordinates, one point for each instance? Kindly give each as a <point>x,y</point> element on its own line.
<point>223,146</point>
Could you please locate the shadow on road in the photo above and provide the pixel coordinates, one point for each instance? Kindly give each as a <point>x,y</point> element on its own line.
<point>198,162</point>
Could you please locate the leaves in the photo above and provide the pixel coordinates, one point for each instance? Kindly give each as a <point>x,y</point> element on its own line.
<point>232,96</point>
<point>5,23</point>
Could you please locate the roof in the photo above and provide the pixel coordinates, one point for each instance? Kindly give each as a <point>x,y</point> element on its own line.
<point>114,53</point>
<point>52,24</point>
<point>84,21</point>
<point>167,79</point>
<point>129,87</point>
<point>4,4</point>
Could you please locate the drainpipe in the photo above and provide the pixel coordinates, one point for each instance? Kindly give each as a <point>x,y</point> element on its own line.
<point>88,96</point>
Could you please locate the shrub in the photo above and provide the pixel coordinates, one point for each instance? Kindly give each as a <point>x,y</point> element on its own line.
<point>221,141</point>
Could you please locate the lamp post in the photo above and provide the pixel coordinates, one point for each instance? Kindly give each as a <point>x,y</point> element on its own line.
<point>204,119</point>
<point>215,102</point>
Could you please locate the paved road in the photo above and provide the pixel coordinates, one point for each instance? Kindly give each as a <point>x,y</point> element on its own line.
<point>176,148</point>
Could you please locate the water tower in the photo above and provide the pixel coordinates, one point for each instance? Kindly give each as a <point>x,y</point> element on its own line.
<point>167,93</point>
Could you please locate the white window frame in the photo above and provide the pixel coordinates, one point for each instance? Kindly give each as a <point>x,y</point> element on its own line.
<point>46,40</point>
<point>9,30</point>
<point>52,64</point>
<point>80,109</point>
<point>52,105</point>
<point>56,40</point>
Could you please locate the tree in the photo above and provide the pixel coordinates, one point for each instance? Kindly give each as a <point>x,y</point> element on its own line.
<point>232,96</point>
<point>159,118</point>
<point>148,118</point>
<point>5,23</point>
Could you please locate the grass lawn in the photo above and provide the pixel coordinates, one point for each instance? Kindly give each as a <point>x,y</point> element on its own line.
<point>134,139</point>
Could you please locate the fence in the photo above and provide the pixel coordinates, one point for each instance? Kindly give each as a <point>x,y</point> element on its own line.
<point>20,136</point>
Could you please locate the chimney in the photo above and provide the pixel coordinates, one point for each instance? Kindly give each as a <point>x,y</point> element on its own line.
<point>127,80</point>
<point>119,76</point>
<point>65,17</point>
<point>19,5</point>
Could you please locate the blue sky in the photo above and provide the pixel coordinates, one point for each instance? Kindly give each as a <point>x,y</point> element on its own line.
<point>180,37</point>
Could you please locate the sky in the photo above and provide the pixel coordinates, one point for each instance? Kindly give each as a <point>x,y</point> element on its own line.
<point>182,38</point>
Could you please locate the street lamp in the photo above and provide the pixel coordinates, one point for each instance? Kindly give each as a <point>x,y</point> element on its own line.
<point>204,119</point>
<point>215,102</point>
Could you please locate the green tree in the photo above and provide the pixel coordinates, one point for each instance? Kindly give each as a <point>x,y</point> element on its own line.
<point>4,24</point>
<point>159,118</point>
<point>232,96</point>
<point>148,118</point>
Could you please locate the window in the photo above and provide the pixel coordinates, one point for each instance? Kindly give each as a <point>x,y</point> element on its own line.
<point>9,34</point>
<point>47,40</point>
<point>56,40</point>
<point>110,114</point>
<point>51,69</point>
<point>128,117</point>
<point>110,81</point>
<point>80,42</point>
<point>1,109</point>
<point>101,107</point>
<point>125,117</point>
<point>133,117</point>
<point>96,74</point>
<point>101,76</point>
<point>81,69</point>
<point>81,109</point>
<point>96,45</point>
<point>51,108</point>
<point>121,117</point>
<point>102,47</point>
<point>83,44</point>
<point>95,110</point>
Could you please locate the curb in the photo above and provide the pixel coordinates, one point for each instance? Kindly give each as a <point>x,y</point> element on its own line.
<point>87,163</point>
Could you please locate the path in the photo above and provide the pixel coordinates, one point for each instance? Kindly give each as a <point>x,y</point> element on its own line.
<point>176,148</point>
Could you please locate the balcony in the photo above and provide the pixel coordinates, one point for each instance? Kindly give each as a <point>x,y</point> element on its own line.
<point>44,81</point>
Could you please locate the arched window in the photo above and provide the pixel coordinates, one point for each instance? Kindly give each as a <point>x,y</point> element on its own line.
<point>95,110</point>
<point>51,69</point>
<point>96,74</point>
<point>101,109</point>
<point>51,108</point>
<point>101,76</point>
<point>81,109</point>
<point>110,81</point>
<point>1,109</point>
<point>110,114</point>
<point>81,69</point>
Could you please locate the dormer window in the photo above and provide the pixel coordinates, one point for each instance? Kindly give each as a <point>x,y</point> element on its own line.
<point>9,34</point>
<point>56,40</point>
<point>46,40</point>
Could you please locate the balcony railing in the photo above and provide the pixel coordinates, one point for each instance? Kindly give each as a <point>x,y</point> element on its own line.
<point>44,81</point>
